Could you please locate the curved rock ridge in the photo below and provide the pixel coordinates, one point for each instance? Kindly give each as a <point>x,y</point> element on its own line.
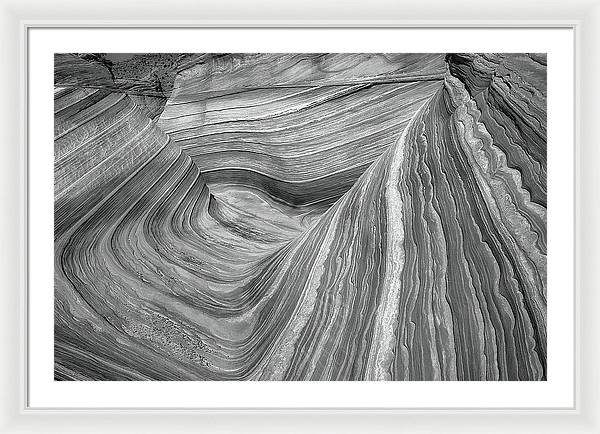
<point>511,93</point>
<point>95,71</point>
<point>71,70</point>
<point>428,262</point>
<point>100,140</point>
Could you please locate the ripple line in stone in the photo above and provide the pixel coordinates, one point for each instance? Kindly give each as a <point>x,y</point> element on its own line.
<point>312,216</point>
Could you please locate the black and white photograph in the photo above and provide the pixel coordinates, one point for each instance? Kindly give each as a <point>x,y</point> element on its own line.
<point>300,216</point>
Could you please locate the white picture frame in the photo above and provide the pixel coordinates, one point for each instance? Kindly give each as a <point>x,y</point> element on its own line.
<point>19,17</point>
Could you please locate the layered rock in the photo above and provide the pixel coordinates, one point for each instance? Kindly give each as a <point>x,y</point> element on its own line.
<point>305,217</point>
<point>301,127</point>
<point>101,137</point>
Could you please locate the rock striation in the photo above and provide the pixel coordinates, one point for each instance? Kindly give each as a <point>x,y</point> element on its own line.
<point>302,128</point>
<point>303,217</point>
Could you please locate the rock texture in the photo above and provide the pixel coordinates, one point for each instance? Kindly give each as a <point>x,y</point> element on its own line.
<point>303,217</point>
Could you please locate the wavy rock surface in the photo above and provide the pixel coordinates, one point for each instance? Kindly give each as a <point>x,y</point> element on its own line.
<point>302,128</point>
<point>305,217</point>
<point>101,138</point>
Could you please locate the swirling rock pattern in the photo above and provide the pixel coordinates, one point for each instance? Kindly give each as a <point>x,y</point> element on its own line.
<point>303,217</point>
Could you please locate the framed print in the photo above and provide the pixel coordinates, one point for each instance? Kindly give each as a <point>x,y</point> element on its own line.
<point>300,224</point>
<point>299,178</point>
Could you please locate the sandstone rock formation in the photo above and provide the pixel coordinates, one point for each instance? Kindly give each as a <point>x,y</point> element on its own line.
<point>302,217</point>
